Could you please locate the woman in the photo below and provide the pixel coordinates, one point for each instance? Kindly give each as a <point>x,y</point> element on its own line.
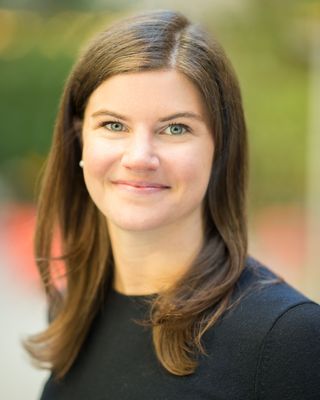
<point>145,184</point>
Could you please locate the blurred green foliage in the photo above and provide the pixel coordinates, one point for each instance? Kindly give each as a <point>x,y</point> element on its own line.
<point>270,55</point>
<point>266,42</point>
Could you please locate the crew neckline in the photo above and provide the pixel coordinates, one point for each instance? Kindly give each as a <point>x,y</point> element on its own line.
<point>132,296</point>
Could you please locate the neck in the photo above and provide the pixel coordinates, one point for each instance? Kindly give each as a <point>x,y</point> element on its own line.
<point>150,261</point>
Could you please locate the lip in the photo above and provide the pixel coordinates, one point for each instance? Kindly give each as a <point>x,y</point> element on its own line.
<point>140,186</point>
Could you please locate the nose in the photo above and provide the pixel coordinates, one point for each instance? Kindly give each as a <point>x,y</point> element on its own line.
<point>139,154</point>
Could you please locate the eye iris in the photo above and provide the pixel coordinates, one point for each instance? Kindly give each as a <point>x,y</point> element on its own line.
<point>116,126</point>
<point>176,129</point>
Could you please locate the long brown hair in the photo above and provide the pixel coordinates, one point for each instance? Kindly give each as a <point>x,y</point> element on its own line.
<point>180,315</point>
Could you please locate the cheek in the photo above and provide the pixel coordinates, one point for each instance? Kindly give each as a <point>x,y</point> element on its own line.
<point>194,167</point>
<point>98,158</point>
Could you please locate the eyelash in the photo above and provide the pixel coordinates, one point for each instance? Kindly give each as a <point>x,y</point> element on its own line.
<point>104,123</point>
<point>185,127</point>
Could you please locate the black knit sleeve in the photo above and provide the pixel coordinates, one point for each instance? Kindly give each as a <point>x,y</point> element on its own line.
<point>289,365</point>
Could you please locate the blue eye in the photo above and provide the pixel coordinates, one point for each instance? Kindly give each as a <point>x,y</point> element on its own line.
<point>176,129</point>
<point>114,126</point>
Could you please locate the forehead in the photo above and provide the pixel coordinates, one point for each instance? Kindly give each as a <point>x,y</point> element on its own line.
<point>157,92</point>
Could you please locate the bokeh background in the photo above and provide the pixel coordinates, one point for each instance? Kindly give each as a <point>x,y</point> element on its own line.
<point>275,49</point>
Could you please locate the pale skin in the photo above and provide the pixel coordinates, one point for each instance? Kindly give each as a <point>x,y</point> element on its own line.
<point>148,178</point>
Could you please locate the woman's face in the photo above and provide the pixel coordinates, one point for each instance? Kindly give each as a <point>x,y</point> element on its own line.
<point>147,150</point>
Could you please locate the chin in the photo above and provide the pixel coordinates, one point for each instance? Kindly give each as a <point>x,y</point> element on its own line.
<point>137,224</point>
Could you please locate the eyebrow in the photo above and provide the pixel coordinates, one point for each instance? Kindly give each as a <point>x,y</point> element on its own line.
<point>185,114</point>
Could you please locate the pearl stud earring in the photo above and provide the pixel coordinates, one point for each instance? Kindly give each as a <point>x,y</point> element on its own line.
<point>81,163</point>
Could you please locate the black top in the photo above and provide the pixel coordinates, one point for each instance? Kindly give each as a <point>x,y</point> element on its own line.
<point>266,348</point>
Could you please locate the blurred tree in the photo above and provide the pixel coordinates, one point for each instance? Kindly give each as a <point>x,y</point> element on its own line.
<point>273,73</point>
<point>51,6</point>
